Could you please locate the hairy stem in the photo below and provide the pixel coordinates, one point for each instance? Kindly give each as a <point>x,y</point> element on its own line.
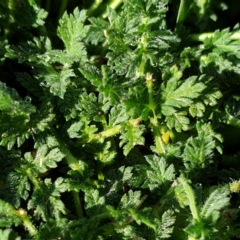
<point>107,133</point>
<point>154,121</point>
<point>143,47</point>
<point>78,204</point>
<point>111,131</point>
<point>22,214</point>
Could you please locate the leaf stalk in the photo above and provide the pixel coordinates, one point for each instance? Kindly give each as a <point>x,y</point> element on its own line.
<point>78,204</point>
<point>22,214</point>
<point>202,36</point>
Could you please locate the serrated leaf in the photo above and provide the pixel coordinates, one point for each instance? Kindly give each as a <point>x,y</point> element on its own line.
<point>131,136</point>
<point>115,181</point>
<point>108,84</point>
<point>16,186</point>
<point>6,100</point>
<point>41,15</point>
<point>46,199</point>
<point>57,81</point>
<point>91,106</point>
<point>130,200</point>
<point>166,226</point>
<point>74,129</point>
<point>212,96</point>
<point>94,201</point>
<point>54,228</point>
<point>176,95</point>
<point>45,159</point>
<point>217,200</point>
<point>190,196</point>
<point>159,172</point>
<point>197,109</point>
<point>72,31</point>
<point>199,150</point>
<point>106,153</point>
<point>96,30</point>
<point>14,111</point>
<point>8,234</point>
<point>30,84</point>
<point>7,215</point>
<point>222,41</point>
<point>117,115</point>
<point>178,121</point>
<point>92,74</point>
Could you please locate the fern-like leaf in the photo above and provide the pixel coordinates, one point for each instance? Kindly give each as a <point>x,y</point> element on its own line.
<point>217,200</point>
<point>159,173</point>
<point>176,94</point>
<point>72,31</point>
<point>131,136</point>
<point>199,150</point>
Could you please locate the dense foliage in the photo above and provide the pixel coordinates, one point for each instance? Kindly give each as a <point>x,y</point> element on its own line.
<point>119,119</point>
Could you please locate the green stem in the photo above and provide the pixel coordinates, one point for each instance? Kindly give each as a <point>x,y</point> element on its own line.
<point>149,83</point>
<point>32,178</point>
<point>63,8</point>
<point>202,36</point>
<point>28,225</point>
<point>142,66</point>
<point>154,120</point>
<point>158,139</point>
<point>32,2</point>
<point>182,13</point>
<point>95,5</point>
<point>143,47</point>
<point>104,122</point>
<point>71,160</point>
<point>227,118</point>
<point>112,131</point>
<point>74,163</point>
<point>107,133</point>
<point>114,4</point>
<point>78,204</point>
<point>99,8</point>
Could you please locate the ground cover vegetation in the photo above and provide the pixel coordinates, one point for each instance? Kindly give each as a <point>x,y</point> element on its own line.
<point>119,119</point>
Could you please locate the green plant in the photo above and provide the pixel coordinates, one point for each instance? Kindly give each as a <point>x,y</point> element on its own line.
<point>120,126</point>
